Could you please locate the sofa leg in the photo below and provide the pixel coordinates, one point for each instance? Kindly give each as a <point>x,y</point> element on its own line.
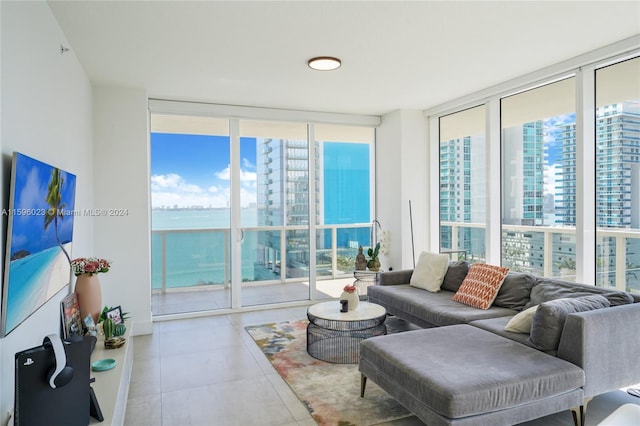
<point>580,413</point>
<point>363,384</point>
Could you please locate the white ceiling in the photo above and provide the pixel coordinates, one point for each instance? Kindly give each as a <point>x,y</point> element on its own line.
<point>396,54</point>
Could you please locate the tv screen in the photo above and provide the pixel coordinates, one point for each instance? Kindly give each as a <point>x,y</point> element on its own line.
<point>39,237</point>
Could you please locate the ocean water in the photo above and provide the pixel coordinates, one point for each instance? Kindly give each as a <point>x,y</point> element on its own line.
<point>28,285</point>
<point>163,219</point>
<point>199,255</point>
<point>196,247</point>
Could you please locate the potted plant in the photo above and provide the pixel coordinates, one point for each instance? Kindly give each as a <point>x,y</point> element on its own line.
<point>374,263</point>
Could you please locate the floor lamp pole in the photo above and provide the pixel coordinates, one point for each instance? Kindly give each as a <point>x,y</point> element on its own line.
<point>413,252</point>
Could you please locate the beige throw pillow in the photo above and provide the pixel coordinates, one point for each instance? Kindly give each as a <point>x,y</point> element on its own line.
<point>521,323</point>
<point>429,272</point>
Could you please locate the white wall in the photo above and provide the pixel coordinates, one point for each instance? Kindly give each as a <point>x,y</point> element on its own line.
<point>122,190</point>
<point>46,114</point>
<point>401,153</point>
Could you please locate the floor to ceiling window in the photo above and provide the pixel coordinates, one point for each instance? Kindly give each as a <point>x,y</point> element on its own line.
<point>463,184</point>
<point>190,216</point>
<point>568,186</point>
<point>248,212</point>
<point>344,201</point>
<point>539,180</point>
<point>617,130</point>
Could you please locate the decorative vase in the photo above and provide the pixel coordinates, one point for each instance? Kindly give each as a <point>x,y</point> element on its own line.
<point>352,298</point>
<point>89,296</point>
<point>374,265</point>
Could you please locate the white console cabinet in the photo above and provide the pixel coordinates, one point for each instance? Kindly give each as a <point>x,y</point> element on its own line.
<point>112,386</point>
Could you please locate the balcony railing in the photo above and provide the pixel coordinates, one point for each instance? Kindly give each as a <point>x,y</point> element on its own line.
<point>184,258</point>
<point>534,249</point>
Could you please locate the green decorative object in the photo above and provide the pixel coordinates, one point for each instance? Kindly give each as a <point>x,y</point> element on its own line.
<point>373,263</point>
<point>108,327</point>
<point>119,330</point>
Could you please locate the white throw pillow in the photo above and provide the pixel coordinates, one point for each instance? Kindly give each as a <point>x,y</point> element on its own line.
<point>521,323</point>
<point>430,271</point>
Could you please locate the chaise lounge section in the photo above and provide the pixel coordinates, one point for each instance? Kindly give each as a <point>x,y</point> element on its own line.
<point>465,368</point>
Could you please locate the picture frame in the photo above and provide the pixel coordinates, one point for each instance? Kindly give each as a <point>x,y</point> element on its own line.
<point>39,238</point>
<point>71,321</point>
<point>115,314</point>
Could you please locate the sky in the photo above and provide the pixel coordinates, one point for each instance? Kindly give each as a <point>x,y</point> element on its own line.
<point>551,139</point>
<point>30,203</point>
<point>193,170</point>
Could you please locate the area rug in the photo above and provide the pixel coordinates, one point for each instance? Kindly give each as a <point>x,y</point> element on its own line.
<point>331,392</point>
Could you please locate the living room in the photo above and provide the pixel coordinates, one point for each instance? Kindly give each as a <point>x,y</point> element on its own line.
<point>63,110</point>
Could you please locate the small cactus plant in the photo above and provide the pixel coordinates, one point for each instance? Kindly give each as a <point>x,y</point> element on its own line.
<point>108,326</point>
<point>119,329</point>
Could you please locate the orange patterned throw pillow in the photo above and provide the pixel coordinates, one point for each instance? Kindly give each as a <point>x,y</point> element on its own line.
<point>481,285</point>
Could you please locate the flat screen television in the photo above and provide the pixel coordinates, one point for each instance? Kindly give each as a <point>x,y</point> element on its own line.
<point>39,238</point>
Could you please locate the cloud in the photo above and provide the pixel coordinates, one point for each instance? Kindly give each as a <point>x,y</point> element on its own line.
<point>245,175</point>
<point>248,164</point>
<point>171,180</point>
<point>224,174</point>
<point>172,190</point>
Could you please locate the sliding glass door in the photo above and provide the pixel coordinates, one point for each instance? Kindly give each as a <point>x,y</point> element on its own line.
<point>250,212</point>
<point>275,212</point>
<point>190,216</point>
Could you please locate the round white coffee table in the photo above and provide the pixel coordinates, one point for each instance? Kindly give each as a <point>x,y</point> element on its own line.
<point>335,336</point>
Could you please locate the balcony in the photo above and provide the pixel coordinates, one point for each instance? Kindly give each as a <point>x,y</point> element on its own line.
<point>550,251</point>
<point>191,267</point>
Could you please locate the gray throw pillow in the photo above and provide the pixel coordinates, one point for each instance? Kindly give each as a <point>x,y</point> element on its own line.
<point>545,289</point>
<point>548,322</point>
<point>456,273</point>
<point>515,290</point>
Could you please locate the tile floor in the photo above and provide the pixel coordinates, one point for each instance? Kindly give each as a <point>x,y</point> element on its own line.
<point>196,299</point>
<point>208,372</point>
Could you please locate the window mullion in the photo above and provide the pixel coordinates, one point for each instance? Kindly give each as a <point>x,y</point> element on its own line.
<point>493,157</point>
<point>585,177</point>
<point>236,231</point>
<point>311,165</point>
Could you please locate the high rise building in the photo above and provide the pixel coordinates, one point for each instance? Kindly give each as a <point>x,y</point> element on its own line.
<point>342,196</point>
<point>463,192</point>
<point>617,168</point>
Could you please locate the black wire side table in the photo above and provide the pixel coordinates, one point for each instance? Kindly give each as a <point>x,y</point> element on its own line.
<point>335,336</point>
<point>363,280</point>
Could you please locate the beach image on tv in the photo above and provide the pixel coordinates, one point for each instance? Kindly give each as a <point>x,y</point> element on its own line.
<point>39,237</point>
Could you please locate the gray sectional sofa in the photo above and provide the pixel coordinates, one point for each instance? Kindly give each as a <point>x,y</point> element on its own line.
<point>463,368</point>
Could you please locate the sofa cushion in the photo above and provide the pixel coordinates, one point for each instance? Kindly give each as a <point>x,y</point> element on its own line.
<point>497,325</point>
<point>428,309</point>
<point>521,323</point>
<point>481,285</point>
<point>461,371</point>
<point>515,291</point>
<point>456,273</point>
<point>548,321</point>
<point>545,289</point>
<point>430,270</point>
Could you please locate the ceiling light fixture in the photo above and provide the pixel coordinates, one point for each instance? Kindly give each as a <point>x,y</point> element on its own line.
<point>324,63</point>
